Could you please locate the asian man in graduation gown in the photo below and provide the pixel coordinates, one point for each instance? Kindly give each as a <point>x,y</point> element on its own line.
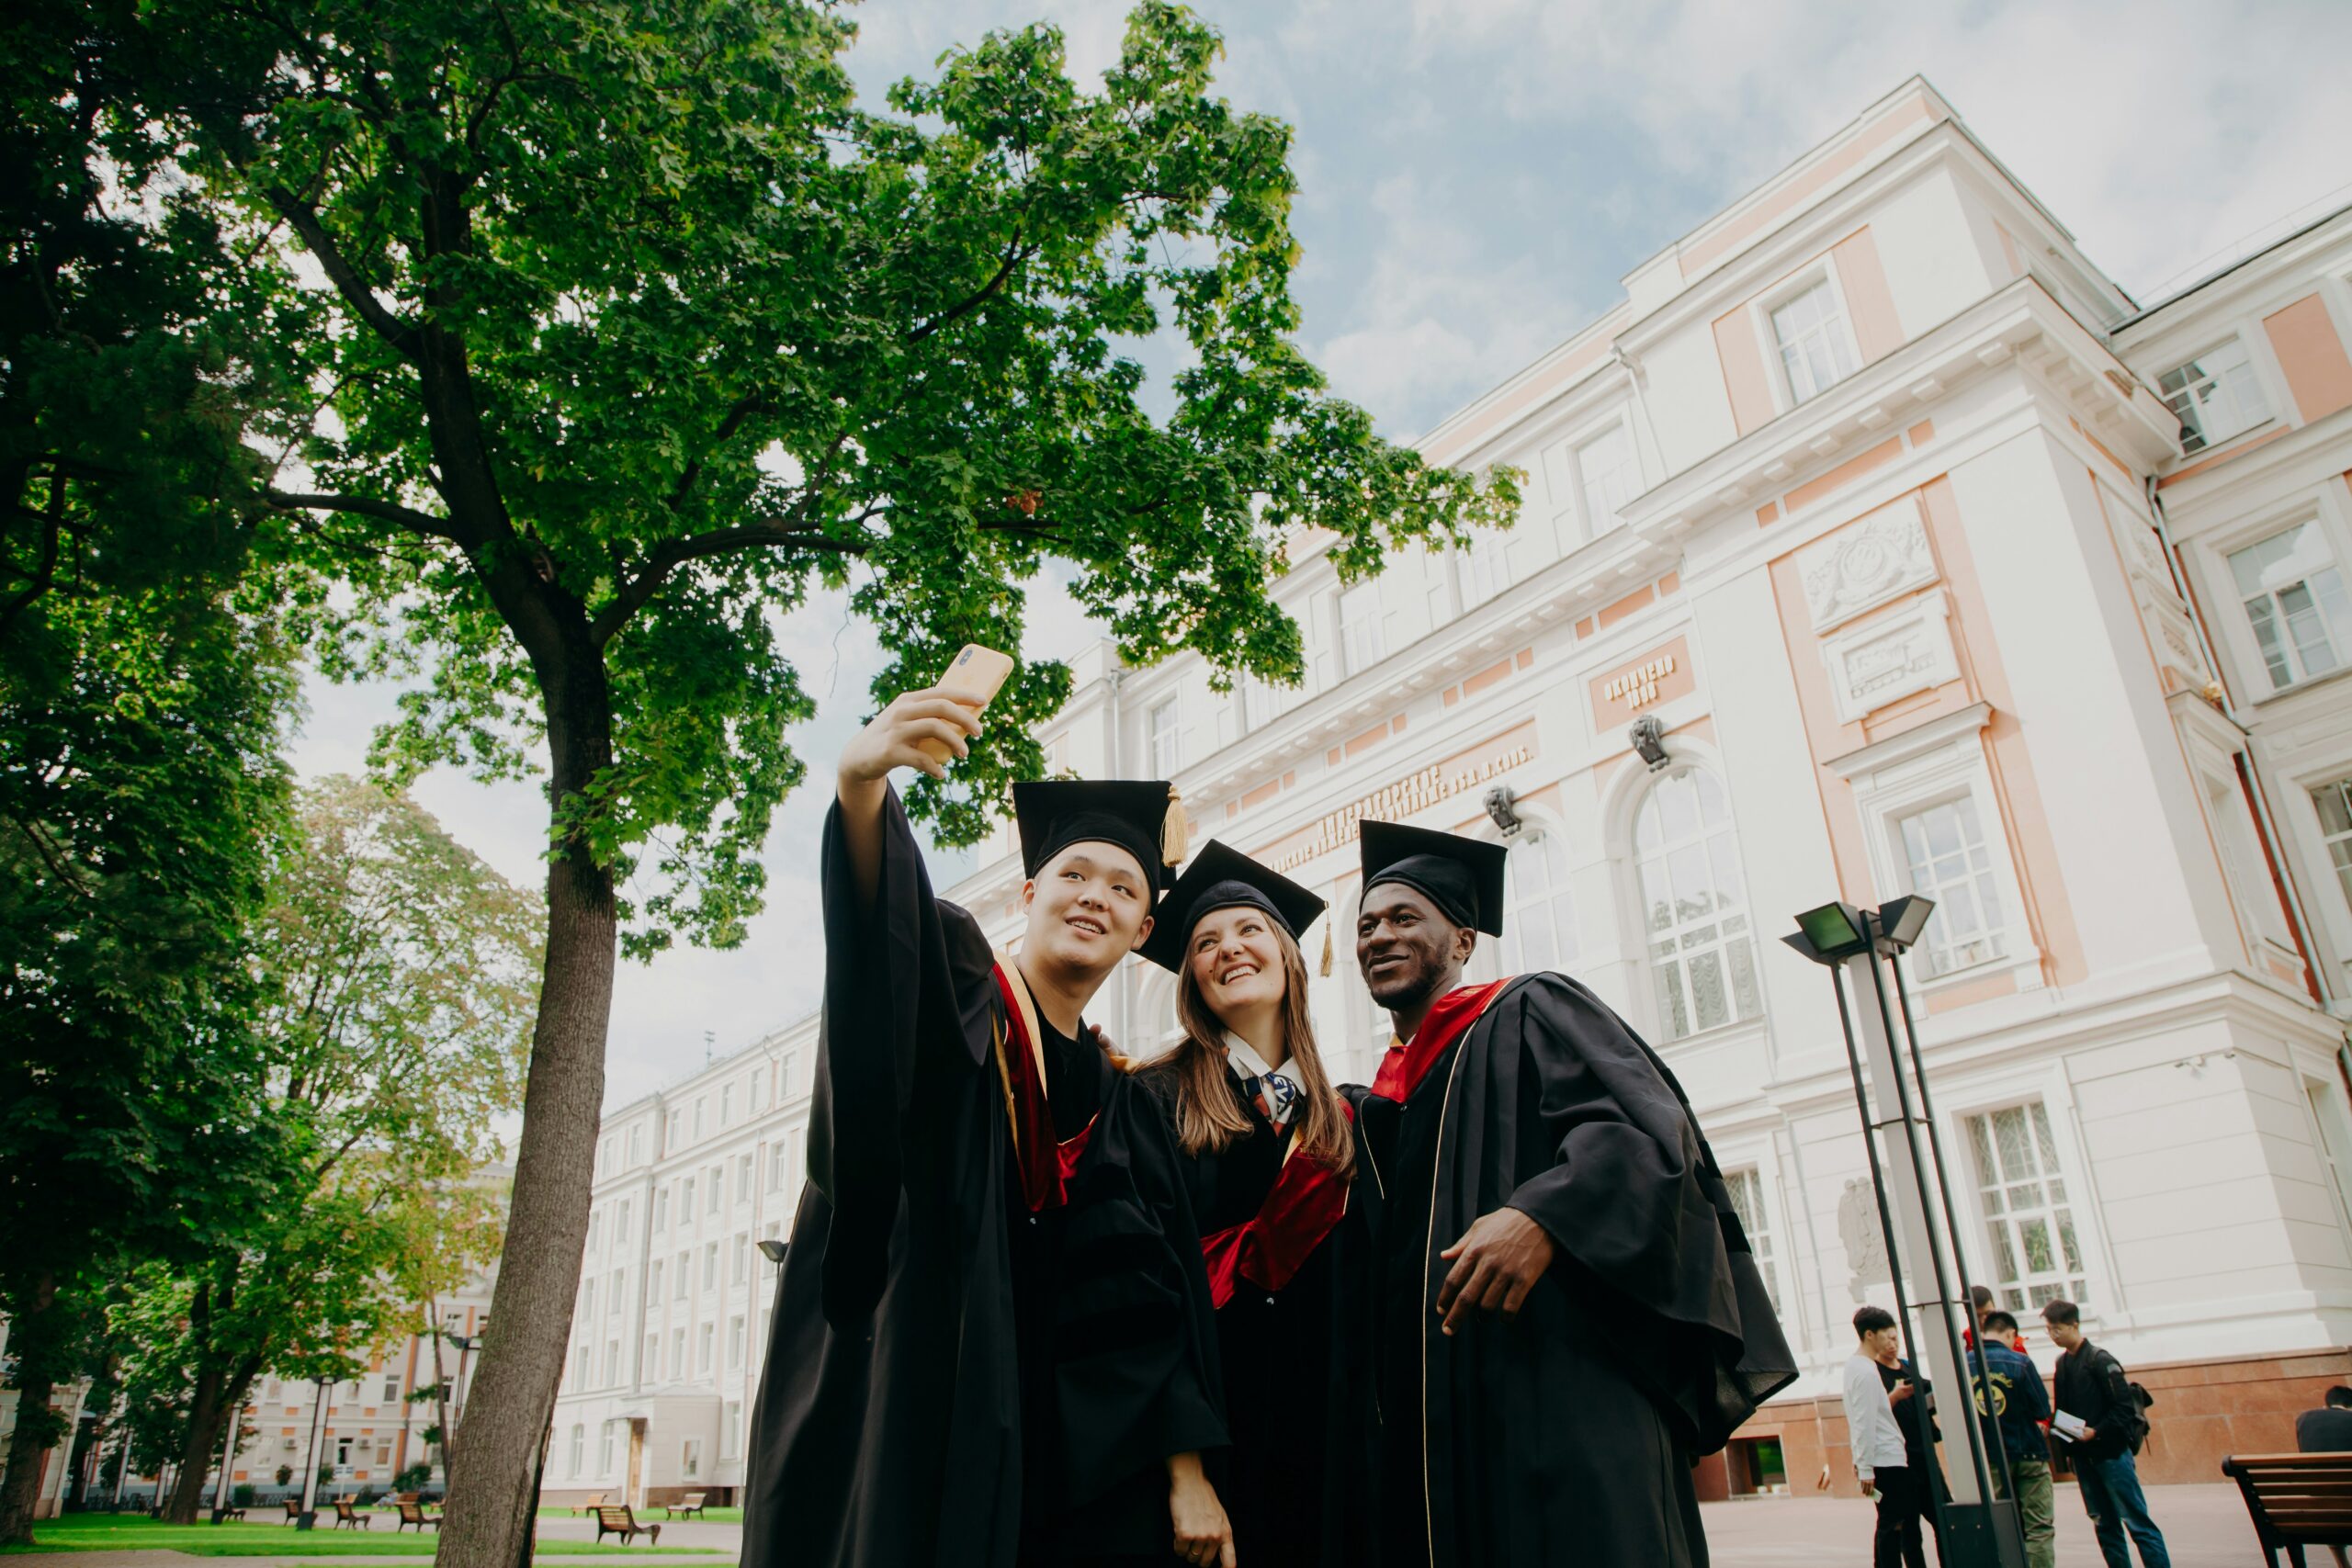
<point>993,1342</point>
<point>1569,1312</point>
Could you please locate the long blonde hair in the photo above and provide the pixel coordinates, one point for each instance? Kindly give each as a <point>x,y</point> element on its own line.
<point>1206,1117</point>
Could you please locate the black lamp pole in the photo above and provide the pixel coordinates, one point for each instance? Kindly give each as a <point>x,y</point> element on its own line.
<point>1976,1529</point>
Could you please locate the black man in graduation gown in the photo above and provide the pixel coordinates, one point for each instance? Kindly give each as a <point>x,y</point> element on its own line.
<point>1569,1312</point>
<point>993,1342</point>
<point>1270,1146</point>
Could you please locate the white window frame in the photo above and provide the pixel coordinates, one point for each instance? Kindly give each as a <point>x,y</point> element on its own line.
<point>1355,661</point>
<point>2248,418</point>
<point>2045,1081</point>
<point>1482,568</point>
<point>1933,762</point>
<point>2331,507</point>
<point>2339,637</point>
<point>1973,1175</point>
<point>1595,526</point>
<point>1786,293</point>
<point>1770,1227</point>
<point>690,1457</point>
<point>1496,957</point>
<point>1164,744</point>
<point>2213,745</point>
<point>1644,940</point>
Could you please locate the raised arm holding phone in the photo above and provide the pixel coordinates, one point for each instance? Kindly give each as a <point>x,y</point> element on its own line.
<point>993,1340</point>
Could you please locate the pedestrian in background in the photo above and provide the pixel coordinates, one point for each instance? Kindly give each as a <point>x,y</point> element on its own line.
<point>1882,1459</point>
<point>2328,1429</point>
<point>2093,1389</point>
<point>2013,1406</point>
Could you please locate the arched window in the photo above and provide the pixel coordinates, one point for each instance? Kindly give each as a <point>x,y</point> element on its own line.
<point>1694,906</point>
<point>1539,923</point>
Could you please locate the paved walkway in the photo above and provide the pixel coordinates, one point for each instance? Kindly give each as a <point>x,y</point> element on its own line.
<point>2205,1527</point>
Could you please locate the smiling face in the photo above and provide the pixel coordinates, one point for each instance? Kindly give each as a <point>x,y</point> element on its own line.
<point>1408,950</point>
<point>1237,961</point>
<point>1089,907</point>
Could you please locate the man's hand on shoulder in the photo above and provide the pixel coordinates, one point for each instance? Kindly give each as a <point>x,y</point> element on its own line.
<point>1496,1263</point>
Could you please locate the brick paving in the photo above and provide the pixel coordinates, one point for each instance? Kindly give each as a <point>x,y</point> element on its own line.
<point>2205,1527</point>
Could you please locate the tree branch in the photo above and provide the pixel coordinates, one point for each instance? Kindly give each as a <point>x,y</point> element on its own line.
<point>305,220</point>
<point>420,523</point>
<point>1013,257</point>
<point>672,553</point>
<point>53,526</point>
<point>745,407</point>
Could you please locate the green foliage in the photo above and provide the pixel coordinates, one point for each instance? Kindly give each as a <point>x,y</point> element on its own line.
<point>643,326</point>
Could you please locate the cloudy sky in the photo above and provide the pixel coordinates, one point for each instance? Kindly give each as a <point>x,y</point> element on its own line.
<point>1476,176</point>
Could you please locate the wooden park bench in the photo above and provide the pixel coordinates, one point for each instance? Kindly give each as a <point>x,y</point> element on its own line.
<point>345,1514</point>
<point>293,1509</point>
<point>591,1506</point>
<point>2296,1500</point>
<point>686,1507</point>
<point>414,1514</point>
<point>222,1515</point>
<point>620,1521</point>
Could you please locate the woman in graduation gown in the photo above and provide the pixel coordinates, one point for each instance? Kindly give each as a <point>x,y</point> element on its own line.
<point>992,1342</point>
<point>1269,1146</point>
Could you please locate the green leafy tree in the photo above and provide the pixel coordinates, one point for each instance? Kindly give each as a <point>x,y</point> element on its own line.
<point>636,325</point>
<point>402,979</point>
<point>138,709</point>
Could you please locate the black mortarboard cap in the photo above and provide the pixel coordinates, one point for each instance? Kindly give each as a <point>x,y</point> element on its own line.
<point>1463,876</point>
<point>1145,817</point>
<point>1219,878</point>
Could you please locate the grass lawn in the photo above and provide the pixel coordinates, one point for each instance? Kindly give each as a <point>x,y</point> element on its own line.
<point>135,1532</point>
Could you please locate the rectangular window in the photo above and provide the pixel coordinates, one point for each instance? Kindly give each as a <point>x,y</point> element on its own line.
<point>595,1231</point>
<point>1485,565</point>
<point>2036,1256</point>
<point>605,1448</point>
<point>611,1362</point>
<point>742,1272</point>
<point>726,1104</point>
<point>715,1180</point>
<point>391,1387</point>
<point>734,1343</point>
<point>702,1349</point>
<point>699,1104</point>
<point>1164,738</point>
<point>678,1353</point>
<point>1610,476</point>
<point>731,1437</point>
<point>2293,596</point>
<point>690,1457</point>
<point>620,1224</point>
<point>686,1279</point>
<point>759,1091</point>
<point>776,1168</point>
<point>1747,1188</point>
<point>588,1299</point>
<point>1363,639</point>
<point>579,1367</point>
<point>743,1180</point>
<point>686,1200</point>
<point>2243,864</point>
<point>648,1357</point>
<point>635,1146</point>
<point>2215,396</point>
<point>613,1298</point>
<point>1816,348</point>
<point>1943,846</point>
<point>2334,803</point>
<point>710,1267</point>
<point>677,1124</point>
<point>579,1446</point>
<point>661,1209</point>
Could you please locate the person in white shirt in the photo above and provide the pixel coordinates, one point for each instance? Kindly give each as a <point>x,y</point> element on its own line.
<point>1881,1460</point>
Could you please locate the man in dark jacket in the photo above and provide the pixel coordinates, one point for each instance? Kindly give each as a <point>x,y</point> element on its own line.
<point>2328,1429</point>
<point>2013,1406</point>
<point>2092,1390</point>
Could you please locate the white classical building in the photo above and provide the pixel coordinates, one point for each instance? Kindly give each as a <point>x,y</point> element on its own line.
<point>1922,560</point>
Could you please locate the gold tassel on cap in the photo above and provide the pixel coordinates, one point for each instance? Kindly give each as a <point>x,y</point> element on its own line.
<point>1175,830</point>
<point>1326,950</point>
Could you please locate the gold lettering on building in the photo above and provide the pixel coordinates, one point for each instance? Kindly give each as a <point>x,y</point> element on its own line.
<point>1415,791</point>
<point>1637,687</point>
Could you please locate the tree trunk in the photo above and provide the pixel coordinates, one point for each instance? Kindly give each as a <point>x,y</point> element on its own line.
<point>36,1423</point>
<point>199,1444</point>
<point>490,1499</point>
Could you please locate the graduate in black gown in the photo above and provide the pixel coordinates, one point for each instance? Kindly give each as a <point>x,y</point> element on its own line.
<point>994,1341</point>
<point>1569,1312</point>
<point>1270,1147</point>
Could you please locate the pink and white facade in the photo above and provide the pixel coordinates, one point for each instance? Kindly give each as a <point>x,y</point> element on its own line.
<point>1874,495</point>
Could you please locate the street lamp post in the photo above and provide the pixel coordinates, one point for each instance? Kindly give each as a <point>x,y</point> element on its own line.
<point>1976,1529</point>
<point>308,1518</point>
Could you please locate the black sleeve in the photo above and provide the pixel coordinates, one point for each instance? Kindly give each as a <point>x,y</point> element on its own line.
<point>1136,1357</point>
<point>1632,1197</point>
<point>908,994</point>
<point>2120,1409</point>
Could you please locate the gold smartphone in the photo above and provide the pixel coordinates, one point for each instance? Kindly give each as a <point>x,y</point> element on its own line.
<point>975,676</point>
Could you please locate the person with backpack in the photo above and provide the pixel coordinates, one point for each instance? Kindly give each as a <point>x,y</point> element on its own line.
<point>2092,1389</point>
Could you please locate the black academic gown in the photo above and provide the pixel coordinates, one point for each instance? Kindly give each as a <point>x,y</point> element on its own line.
<point>955,1381</point>
<point>1566,1438</point>
<point>1296,1481</point>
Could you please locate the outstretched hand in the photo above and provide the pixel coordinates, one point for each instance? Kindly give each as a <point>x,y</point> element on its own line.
<point>890,740</point>
<point>1496,1263</point>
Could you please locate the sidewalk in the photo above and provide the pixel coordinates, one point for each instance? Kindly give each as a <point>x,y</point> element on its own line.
<point>2205,1527</point>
